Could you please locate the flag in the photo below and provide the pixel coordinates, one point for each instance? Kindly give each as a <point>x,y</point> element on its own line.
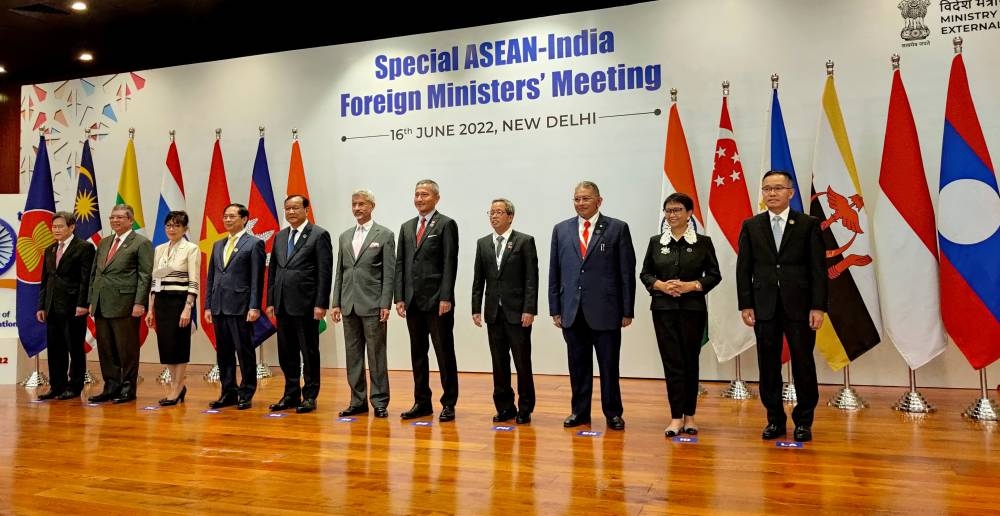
<point>855,321</point>
<point>263,225</point>
<point>88,220</point>
<point>678,174</point>
<point>212,228</point>
<point>128,193</point>
<point>33,236</point>
<point>172,196</point>
<point>904,228</point>
<point>728,207</point>
<point>297,186</point>
<point>968,228</point>
<point>777,154</point>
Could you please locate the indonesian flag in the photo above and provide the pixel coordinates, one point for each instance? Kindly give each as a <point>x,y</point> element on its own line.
<point>678,174</point>
<point>212,228</point>
<point>855,321</point>
<point>904,228</point>
<point>728,207</point>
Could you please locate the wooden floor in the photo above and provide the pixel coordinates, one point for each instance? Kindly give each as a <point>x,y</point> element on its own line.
<point>69,458</point>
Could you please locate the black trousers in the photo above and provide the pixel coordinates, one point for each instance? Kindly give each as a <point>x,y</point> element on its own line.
<point>299,336</point>
<point>234,339</point>
<point>118,349</point>
<point>581,342</point>
<point>801,341</point>
<point>678,335</point>
<point>65,335</point>
<point>511,341</point>
<point>440,329</point>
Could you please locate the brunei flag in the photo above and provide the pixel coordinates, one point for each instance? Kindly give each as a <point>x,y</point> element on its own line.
<point>212,228</point>
<point>678,174</point>
<point>33,237</point>
<point>854,316</point>
<point>968,228</point>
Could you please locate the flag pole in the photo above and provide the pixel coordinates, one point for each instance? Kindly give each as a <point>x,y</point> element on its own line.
<point>788,394</point>
<point>263,368</point>
<point>165,378</point>
<point>88,377</point>
<point>213,375</point>
<point>983,409</point>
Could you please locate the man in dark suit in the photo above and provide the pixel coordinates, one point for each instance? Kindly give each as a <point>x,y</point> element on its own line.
<point>119,293</point>
<point>362,297</point>
<point>62,306</point>
<point>298,291</point>
<point>507,265</point>
<point>592,297</point>
<point>426,267</point>
<point>232,295</point>
<point>782,287</point>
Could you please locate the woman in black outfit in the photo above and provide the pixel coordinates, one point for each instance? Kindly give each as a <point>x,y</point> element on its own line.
<point>680,267</point>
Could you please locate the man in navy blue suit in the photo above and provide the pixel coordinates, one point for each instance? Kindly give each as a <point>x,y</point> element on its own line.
<point>592,297</point>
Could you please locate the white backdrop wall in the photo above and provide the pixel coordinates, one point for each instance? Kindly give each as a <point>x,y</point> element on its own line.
<point>693,44</point>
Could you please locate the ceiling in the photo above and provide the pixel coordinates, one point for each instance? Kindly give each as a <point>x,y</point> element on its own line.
<point>41,39</point>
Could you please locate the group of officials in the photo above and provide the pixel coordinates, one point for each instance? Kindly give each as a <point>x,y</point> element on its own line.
<point>780,276</point>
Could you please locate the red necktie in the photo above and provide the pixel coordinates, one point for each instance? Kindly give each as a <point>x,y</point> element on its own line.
<point>420,232</point>
<point>114,247</point>
<point>586,239</point>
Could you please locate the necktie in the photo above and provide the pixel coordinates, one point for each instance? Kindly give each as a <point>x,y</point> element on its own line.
<point>59,252</point>
<point>586,238</point>
<point>359,238</point>
<point>291,242</point>
<point>776,231</point>
<point>229,249</point>
<point>114,247</point>
<point>499,248</point>
<point>420,232</point>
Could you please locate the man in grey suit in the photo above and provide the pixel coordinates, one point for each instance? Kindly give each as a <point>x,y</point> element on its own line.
<point>362,296</point>
<point>507,265</point>
<point>119,292</point>
<point>232,294</point>
<point>298,292</point>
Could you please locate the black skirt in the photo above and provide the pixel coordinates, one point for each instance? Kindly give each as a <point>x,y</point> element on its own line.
<point>173,341</point>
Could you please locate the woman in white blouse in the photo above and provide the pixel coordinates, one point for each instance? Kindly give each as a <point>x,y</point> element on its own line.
<point>176,269</point>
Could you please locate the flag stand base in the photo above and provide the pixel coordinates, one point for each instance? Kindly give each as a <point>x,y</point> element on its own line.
<point>89,379</point>
<point>912,402</point>
<point>848,399</point>
<point>35,379</point>
<point>738,390</point>
<point>212,376</point>
<point>164,377</point>
<point>788,394</point>
<point>983,409</point>
<point>264,371</point>
<point>702,391</point>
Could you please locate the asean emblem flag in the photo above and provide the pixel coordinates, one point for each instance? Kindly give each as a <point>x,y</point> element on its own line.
<point>968,228</point>
<point>212,227</point>
<point>33,236</point>
<point>855,320</point>
<point>263,224</point>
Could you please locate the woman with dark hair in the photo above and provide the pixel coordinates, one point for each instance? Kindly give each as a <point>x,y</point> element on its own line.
<point>680,267</point>
<point>176,269</point>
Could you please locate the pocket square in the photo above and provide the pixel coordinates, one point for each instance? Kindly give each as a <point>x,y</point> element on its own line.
<point>432,236</point>
<point>374,244</point>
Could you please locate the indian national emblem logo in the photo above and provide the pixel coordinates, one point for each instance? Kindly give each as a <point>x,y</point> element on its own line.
<point>846,211</point>
<point>914,12</point>
<point>7,241</point>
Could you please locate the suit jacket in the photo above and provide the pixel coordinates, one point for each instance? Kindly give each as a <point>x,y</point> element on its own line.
<point>124,281</point>
<point>686,262</point>
<point>514,284</point>
<point>300,282</point>
<point>602,284</point>
<point>66,286</point>
<point>799,267</point>
<point>426,273</point>
<point>236,287</point>
<point>364,283</point>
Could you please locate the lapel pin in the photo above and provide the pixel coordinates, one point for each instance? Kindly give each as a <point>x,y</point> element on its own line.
<point>790,221</point>
<point>690,250</point>
<point>665,250</point>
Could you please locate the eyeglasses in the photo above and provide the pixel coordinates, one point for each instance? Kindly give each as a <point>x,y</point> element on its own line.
<point>775,189</point>
<point>174,226</point>
<point>674,211</point>
<point>496,212</point>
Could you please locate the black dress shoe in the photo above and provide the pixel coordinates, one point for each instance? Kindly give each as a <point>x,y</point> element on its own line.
<point>447,414</point>
<point>51,395</point>
<point>225,401</point>
<point>575,420</point>
<point>243,404</point>
<point>416,411</point>
<point>802,434</point>
<point>68,395</point>
<point>523,419</point>
<point>308,405</point>
<point>616,423</point>
<point>773,431</point>
<point>283,404</point>
<point>352,411</point>
<point>504,416</point>
<point>123,398</point>
<point>100,398</point>
<point>381,412</point>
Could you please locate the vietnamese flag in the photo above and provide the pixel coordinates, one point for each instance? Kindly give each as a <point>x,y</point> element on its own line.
<point>212,229</point>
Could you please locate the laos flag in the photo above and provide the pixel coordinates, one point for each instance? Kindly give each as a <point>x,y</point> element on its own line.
<point>968,229</point>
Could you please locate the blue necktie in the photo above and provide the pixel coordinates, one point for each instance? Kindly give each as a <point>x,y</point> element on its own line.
<point>291,242</point>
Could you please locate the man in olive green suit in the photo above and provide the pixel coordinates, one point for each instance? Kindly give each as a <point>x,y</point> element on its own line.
<point>119,293</point>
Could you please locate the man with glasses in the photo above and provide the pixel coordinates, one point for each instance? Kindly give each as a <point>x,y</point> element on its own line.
<point>507,265</point>
<point>591,298</point>
<point>782,288</point>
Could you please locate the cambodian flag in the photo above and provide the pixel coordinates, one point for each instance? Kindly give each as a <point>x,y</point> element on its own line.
<point>263,224</point>
<point>33,237</point>
<point>968,228</point>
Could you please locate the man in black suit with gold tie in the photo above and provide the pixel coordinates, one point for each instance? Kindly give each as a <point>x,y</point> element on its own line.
<point>426,267</point>
<point>507,266</point>
<point>63,307</point>
<point>782,288</point>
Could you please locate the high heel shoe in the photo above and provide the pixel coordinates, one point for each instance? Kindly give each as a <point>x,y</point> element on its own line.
<point>167,402</point>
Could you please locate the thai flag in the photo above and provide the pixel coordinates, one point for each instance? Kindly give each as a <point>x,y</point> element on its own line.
<point>171,194</point>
